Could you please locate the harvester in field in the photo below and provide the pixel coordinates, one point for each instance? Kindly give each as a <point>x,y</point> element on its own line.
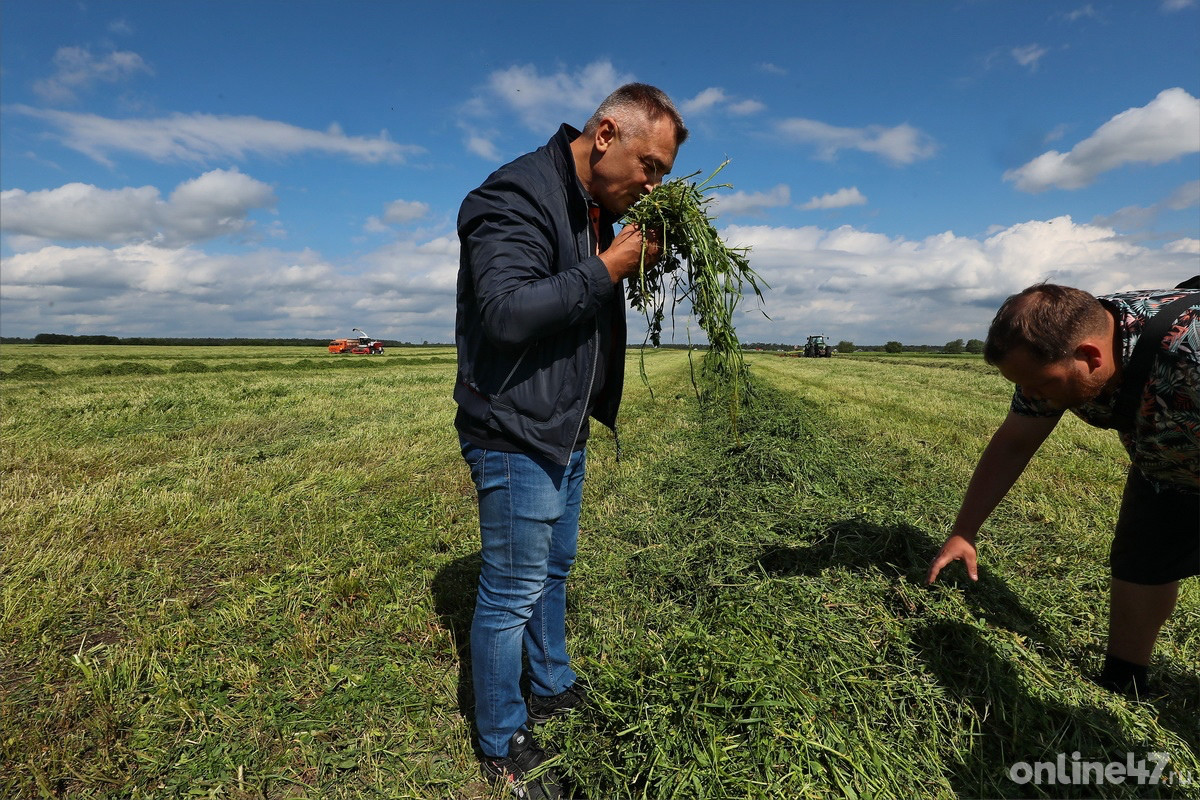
<point>363,345</point>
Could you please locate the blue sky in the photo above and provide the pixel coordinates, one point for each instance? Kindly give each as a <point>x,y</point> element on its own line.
<point>294,169</point>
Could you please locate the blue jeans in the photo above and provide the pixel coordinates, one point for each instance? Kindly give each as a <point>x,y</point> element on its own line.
<point>529,530</point>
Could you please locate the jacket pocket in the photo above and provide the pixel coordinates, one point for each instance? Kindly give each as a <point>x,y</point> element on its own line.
<point>517,365</point>
<point>531,400</point>
<point>542,389</point>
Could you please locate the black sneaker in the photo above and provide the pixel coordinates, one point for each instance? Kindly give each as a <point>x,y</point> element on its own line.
<point>543,709</point>
<point>1132,688</point>
<point>520,772</point>
<point>1124,677</point>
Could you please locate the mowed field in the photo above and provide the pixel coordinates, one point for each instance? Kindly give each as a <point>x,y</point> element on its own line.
<point>249,573</point>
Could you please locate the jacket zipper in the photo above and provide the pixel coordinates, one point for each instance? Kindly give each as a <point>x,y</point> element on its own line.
<point>591,382</point>
<point>593,345</point>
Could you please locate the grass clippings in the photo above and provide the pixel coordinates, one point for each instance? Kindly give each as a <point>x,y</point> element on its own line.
<point>696,266</point>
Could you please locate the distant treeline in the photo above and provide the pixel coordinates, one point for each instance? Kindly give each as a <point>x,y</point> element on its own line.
<point>66,338</point>
<point>895,347</point>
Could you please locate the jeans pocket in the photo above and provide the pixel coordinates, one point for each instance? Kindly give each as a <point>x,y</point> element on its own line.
<point>472,454</point>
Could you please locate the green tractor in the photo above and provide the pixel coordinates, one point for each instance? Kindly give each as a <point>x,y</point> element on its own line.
<point>817,347</point>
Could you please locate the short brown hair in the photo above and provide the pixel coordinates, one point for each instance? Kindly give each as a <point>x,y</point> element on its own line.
<point>651,102</point>
<point>1046,319</point>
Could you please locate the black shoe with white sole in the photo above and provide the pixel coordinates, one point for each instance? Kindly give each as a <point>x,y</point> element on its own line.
<point>543,709</point>
<point>523,770</point>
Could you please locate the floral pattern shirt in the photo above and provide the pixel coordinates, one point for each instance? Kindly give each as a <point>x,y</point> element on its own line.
<point>1165,441</point>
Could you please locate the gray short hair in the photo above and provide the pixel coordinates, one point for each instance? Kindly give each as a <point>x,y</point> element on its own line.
<point>636,103</point>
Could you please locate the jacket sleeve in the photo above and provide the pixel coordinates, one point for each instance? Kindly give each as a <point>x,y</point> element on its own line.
<point>511,248</point>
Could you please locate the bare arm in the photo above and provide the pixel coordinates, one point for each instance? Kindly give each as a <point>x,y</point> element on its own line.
<point>1002,462</point>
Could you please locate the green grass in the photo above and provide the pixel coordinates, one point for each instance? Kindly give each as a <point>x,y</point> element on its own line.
<point>237,581</point>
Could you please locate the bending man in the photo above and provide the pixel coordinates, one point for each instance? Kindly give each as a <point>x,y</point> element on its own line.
<point>1068,350</point>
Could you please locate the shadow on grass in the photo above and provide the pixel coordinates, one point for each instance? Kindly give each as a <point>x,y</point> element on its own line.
<point>905,551</point>
<point>1016,727</point>
<point>454,588</point>
<point>1180,704</point>
<point>1017,730</point>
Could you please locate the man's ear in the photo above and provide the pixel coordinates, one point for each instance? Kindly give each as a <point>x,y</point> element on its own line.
<point>1091,354</point>
<point>606,133</point>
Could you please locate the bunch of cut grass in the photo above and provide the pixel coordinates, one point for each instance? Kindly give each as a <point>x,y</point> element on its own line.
<point>695,266</point>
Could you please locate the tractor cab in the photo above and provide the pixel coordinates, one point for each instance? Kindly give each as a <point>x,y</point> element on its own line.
<point>817,347</point>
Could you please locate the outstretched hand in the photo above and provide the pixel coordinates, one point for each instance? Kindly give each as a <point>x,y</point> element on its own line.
<point>956,548</point>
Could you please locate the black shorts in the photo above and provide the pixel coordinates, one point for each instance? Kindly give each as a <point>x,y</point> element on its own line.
<point>1158,534</point>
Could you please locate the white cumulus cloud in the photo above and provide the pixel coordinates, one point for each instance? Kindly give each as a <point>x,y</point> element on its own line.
<point>400,211</point>
<point>898,145</point>
<point>1185,196</point>
<point>751,203</point>
<point>214,204</point>
<point>541,102</point>
<point>397,212</point>
<point>714,98</point>
<point>1165,129</point>
<point>77,69</point>
<point>704,101</point>
<point>1188,246</point>
<point>840,199</point>
<point>1140,218</point>
<point>1029,55</point>
<point>1083,12</point>
<point>480,142</point>
<point>404,291</point>
<point>845,282</point>
<point>744,108</point>
<point>868,288</point>
<point>200,138</point>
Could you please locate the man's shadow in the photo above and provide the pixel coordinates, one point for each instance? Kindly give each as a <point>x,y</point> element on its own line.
<point>1016,730</point>
<point>905,552</point>
<point>454,589</point>
<point>965,664</point>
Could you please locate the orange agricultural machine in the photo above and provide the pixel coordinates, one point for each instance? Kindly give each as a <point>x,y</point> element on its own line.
<point>363,345</point>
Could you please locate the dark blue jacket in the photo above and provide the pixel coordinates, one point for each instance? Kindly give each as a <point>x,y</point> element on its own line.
<point>529,291</point>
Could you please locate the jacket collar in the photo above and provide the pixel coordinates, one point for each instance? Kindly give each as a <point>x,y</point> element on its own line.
<point>560,147</point>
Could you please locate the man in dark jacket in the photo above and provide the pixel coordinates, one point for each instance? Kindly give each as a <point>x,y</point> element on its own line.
<point>541,348</point>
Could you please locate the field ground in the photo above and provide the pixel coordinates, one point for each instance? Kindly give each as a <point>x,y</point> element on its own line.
<point>247,572</point>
